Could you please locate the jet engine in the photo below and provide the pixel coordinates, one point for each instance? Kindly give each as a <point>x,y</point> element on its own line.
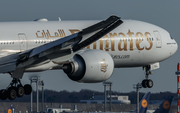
<point>90,66</point>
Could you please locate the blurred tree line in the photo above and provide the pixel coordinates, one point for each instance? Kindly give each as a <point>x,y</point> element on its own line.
<point>64,96</point>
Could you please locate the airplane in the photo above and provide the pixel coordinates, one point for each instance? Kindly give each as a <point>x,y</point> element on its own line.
<point>164,106</point>
<point>87,51</point>
<point>143,104</point>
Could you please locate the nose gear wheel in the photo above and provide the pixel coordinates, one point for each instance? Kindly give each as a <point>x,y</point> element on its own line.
<point>147,83</point>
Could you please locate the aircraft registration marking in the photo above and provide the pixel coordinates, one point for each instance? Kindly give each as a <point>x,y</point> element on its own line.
<point>120,56</point>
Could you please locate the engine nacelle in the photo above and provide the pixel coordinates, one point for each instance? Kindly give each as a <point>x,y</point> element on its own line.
<point>90,66</point>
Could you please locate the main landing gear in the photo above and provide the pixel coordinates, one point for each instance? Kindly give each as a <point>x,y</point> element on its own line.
<point>147,82</point>
<point>15,89</point>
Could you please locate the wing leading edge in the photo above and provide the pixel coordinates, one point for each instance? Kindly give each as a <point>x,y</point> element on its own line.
<point>17,63</point>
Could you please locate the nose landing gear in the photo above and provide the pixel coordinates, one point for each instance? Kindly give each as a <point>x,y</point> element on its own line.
<point>147,82</point>
<point>15,89</point>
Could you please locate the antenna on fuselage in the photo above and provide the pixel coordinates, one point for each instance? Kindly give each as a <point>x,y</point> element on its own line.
<point>59,18</point>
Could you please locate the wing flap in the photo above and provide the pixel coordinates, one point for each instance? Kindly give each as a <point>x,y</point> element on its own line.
<point>8,67</point>
<point>8,63</point>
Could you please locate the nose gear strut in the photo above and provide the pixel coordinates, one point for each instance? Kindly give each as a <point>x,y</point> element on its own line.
<point>147,82</point>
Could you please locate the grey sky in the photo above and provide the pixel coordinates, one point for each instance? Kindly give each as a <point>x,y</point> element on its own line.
<point>164,13</point>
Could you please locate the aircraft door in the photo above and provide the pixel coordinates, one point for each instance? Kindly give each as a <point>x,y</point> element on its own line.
<point>22,41</point>
<point>158,39</point>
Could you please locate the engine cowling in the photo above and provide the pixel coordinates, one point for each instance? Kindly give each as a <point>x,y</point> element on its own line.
<point>90,66</point>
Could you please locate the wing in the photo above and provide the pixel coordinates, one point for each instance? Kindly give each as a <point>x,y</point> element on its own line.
<point>17,63</point>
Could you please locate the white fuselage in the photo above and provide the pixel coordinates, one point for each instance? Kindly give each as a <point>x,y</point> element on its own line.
<point>132,44</point>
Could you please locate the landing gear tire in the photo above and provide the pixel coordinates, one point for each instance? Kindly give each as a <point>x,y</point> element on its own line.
<point>28,89</point>
<point>15,89</point>
<point>3,94</point>
<point>11,93</point>
<point>20,91</point>
<point>149,83</point>
<point>144,85</point>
